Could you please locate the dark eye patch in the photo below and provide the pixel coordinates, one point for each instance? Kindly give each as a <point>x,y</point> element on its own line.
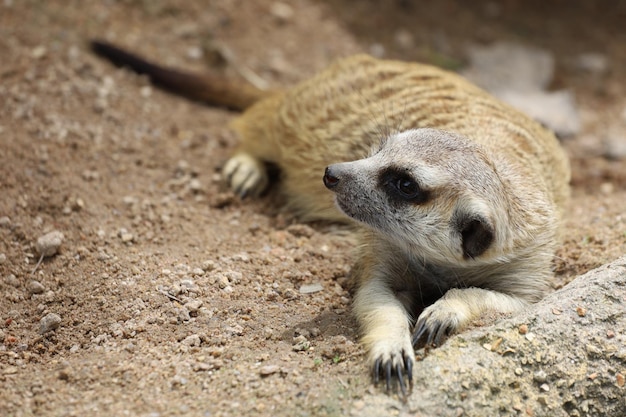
<point>401,186</point>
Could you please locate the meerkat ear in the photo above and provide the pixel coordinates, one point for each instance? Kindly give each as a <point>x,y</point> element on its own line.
<point>476,232</point>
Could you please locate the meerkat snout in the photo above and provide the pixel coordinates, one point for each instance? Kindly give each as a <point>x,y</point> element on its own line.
<point>330,179</point>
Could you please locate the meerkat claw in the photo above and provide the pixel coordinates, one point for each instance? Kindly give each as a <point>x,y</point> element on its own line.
<point>399,372</point>
<point>408,365</point>
<point>394,369</point>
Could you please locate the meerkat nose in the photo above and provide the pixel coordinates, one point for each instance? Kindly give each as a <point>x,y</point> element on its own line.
<point>330,181</point>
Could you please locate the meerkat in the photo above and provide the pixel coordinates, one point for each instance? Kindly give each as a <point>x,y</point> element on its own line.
<point>457,197</point>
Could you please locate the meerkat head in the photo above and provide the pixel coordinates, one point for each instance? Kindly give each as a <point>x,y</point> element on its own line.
<point>432,192</point>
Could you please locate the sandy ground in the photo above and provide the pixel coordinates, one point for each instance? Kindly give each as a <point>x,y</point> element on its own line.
<point>174,298</point>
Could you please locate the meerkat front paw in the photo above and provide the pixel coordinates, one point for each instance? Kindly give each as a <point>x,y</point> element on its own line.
<point>439,321</point>
<point>393,359</point>
<point>245,175</point>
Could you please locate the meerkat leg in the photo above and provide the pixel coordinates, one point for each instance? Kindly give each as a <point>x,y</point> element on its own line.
<point>246,175</point>
<point>458,307</point>
<point>385,324</point>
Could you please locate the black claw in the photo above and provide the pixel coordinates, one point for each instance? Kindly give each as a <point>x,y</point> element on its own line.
<point>419,332</point>
<point>441,335</point>
<point>408,365</point>
<point>388,374</point>
<point>377,369</point>
<point>400,376</point>
<point>429,340</point>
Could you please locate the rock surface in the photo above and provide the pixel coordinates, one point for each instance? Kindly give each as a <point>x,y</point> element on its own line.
<point>571,362</point>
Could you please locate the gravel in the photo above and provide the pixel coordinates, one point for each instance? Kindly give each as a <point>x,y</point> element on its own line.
<point>48,244</point>
<point>49,322</point>
<point>35,287</point>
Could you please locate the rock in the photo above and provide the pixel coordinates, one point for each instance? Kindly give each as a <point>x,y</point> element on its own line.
<point>556,110</point>
<point>193,340</point>
<point>208,265</point>
<point>48,244</point>
<point>268,370</point>
<point>49,322</point>
<point>125,235</point>
<point>519,75</point>
<point>193,306</point>
<point>39,52</point>
<point>311,288</point>
<point>3,258</point>
<point>12,280</point>
<point>281,11</point>
<point>615,147</point>
<point>514,66</point>
<point>566,366</point>
<point>35,287</point>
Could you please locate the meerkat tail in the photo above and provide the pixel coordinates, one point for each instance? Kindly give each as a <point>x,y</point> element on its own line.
<point>207,88</point>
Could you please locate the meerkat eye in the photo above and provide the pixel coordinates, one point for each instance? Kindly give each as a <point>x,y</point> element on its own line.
<point>407,188</point>
<point>401,187</point>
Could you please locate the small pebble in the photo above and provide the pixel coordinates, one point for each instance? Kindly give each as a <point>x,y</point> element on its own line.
<point>195,185</point>
<point>290,294</point>
<point>607,188</point>
<point>5,221</point>
<point>545,387</point>
<point>183,315</point>
<point>39,52</point>
<point>301,344</point>
<point>523,329</point>
<point>281,11</point>
<point>49,322</point>
<point>222,281</point>
<point>208,266</point>
<point>581,311</point>
<point>404,39</point>
<point>268,370</point>
<point>194,52</point>
<point>193,306</point>
<point>125,235</point>
<point>540,376</point>
<point>10,370</point>
<point>12,281</point>
<point>48,244</point>
<point>3,258</point>
<point>193,340</point>
<point>615,147</point>
<point>311,288</point>
<point>593,351</point>
<point>35,287</point>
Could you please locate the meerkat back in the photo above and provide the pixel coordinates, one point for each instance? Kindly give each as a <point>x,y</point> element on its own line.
<point>341,113</point>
